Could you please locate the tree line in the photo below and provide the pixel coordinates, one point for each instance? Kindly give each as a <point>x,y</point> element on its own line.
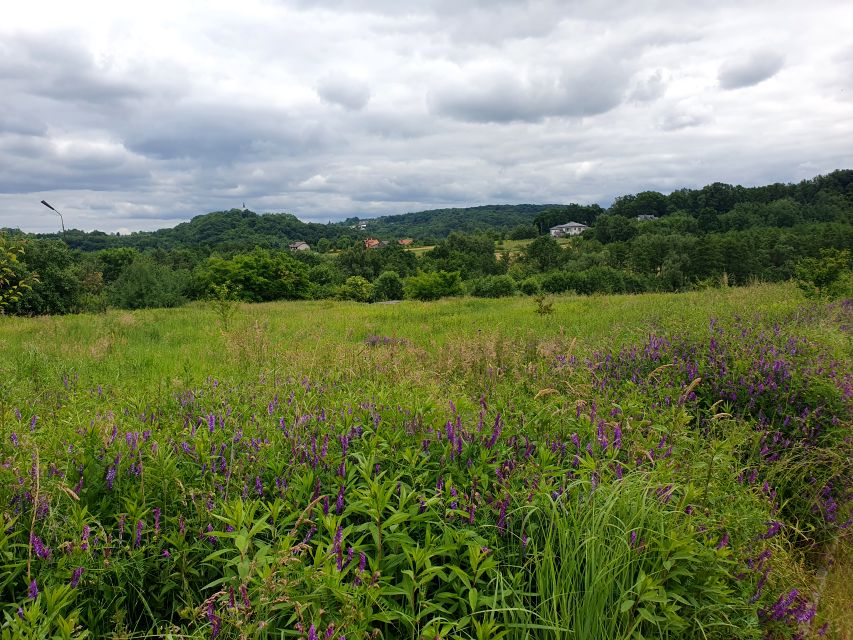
<point>698,238</point>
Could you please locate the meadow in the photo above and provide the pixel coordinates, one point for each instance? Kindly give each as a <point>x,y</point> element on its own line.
<point>647,466</point>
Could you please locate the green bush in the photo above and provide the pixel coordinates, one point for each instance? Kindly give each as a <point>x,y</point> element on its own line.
<point>826,277</point>
<point>492,287</point>
<point>388,286</point>
<point>145,284</point>
<point>433,285</point>
<point>259,276</point>
<point>356,288</point>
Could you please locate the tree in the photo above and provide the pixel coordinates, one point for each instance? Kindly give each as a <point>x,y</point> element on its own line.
<point>543,254</point>
<point>356,288</point>
<point>145,283</point>
<point>826,277</point>
<point>60,279</point>
<point>433,285</point>
<point>259,276</point>
<point>388,286</point>
<point>12,282</point>
<point>492,287</point>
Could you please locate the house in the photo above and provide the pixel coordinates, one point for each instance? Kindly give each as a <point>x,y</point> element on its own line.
<point>568,229</point>
<point>299,246</point>
<point>406,242</point>
<point>646,216</point>
<point>359,226</point>
<point>372,243</point>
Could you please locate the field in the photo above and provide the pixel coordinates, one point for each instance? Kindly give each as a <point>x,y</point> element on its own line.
<point>655,466</point>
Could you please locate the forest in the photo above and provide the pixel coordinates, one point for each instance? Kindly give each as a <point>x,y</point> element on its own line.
<point>689,239</point>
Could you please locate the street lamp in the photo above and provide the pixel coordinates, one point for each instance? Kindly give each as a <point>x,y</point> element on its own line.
<point>47,204</point>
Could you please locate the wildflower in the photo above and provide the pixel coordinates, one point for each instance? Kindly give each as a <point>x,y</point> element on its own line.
<point>33,590</point>
<point>138,538</point>
<point>156,512</point>
<point>312,633</point>
<point>39,548</point>
<point>166,553</point>
<point>339,503</point>
<point>14,439</point>
<point>215,620</point>
<point>244,593</point>
<point>336,548</point>
<point>496,432</point>
<point>772,529</point>
<point>724,541</point>
<point>84,541</point>
<point>75,577</point>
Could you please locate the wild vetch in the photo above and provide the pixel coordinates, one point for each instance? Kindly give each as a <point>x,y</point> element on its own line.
<point>339,503</point>
<point>39,548</point>
<point>33,591</point>
<point>75,577</point>
<point>496,432</point>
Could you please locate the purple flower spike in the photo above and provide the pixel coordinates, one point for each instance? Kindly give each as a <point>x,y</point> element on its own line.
<point>34,590</point>
<point>339,503</point>
<point>75,577</point>
<point>312,633</point>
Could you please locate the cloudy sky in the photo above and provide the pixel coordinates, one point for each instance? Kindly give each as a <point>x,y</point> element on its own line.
<point>140,115</point>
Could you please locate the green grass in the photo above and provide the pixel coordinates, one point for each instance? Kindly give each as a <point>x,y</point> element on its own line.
<point>549,553</point>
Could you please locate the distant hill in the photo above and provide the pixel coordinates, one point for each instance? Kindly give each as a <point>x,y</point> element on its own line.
<point>238,229</point>
<point>717,205</point>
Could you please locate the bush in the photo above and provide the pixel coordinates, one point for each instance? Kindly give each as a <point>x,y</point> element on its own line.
<point>146,284</point>
<point>826,277</point>
<point>559,282</point>
<point>530,286</point>
<point>388,286</point>
<point>356,288</point>
<point>433,285</point>
<point>259,276</point>
<point>492,287</point>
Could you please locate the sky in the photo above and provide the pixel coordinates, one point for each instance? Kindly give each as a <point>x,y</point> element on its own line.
<point>133,116</point>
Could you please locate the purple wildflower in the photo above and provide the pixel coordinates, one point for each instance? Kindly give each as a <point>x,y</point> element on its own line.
<point>138,539</point>
<point>156,512</point>
<point>75,577</point>
<point>339,503</point>
<point>312,633</point>
<point>39,548</point>
<point>33,590</point>
<point>496,432</point>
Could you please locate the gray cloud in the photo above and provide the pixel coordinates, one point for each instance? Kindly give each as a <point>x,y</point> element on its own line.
<point>502,95</point>
<point>344,90</point>
<point>332,108</point>
<point>754,68</point>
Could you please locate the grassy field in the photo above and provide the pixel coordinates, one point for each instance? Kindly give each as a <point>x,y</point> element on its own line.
<point>664,465</point>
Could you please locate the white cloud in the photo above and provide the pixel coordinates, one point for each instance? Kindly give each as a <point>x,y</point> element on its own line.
<point>129,116</point>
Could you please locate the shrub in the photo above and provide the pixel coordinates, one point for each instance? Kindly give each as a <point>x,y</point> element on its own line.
<point>530,286</point>
<point>146,284</point>
<point>388,286</point>
<point>492,287</point>
<point>826,277</point>
<point>433,285</point>
<point>356,288</point>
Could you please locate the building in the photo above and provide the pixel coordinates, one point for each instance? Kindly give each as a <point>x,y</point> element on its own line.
<point>372,243</point>
<point>299,246</point>
<point>406,242</point>
<point>646,216</point>
<point>568,229</point>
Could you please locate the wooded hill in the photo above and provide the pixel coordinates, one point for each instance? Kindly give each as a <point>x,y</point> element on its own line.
<point>716,207</point>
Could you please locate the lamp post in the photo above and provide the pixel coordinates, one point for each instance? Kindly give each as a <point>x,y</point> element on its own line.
<point>47,204</point>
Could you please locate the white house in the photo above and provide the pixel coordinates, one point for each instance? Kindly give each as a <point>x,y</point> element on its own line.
<point>568,229</point>
<point>299,246</point>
